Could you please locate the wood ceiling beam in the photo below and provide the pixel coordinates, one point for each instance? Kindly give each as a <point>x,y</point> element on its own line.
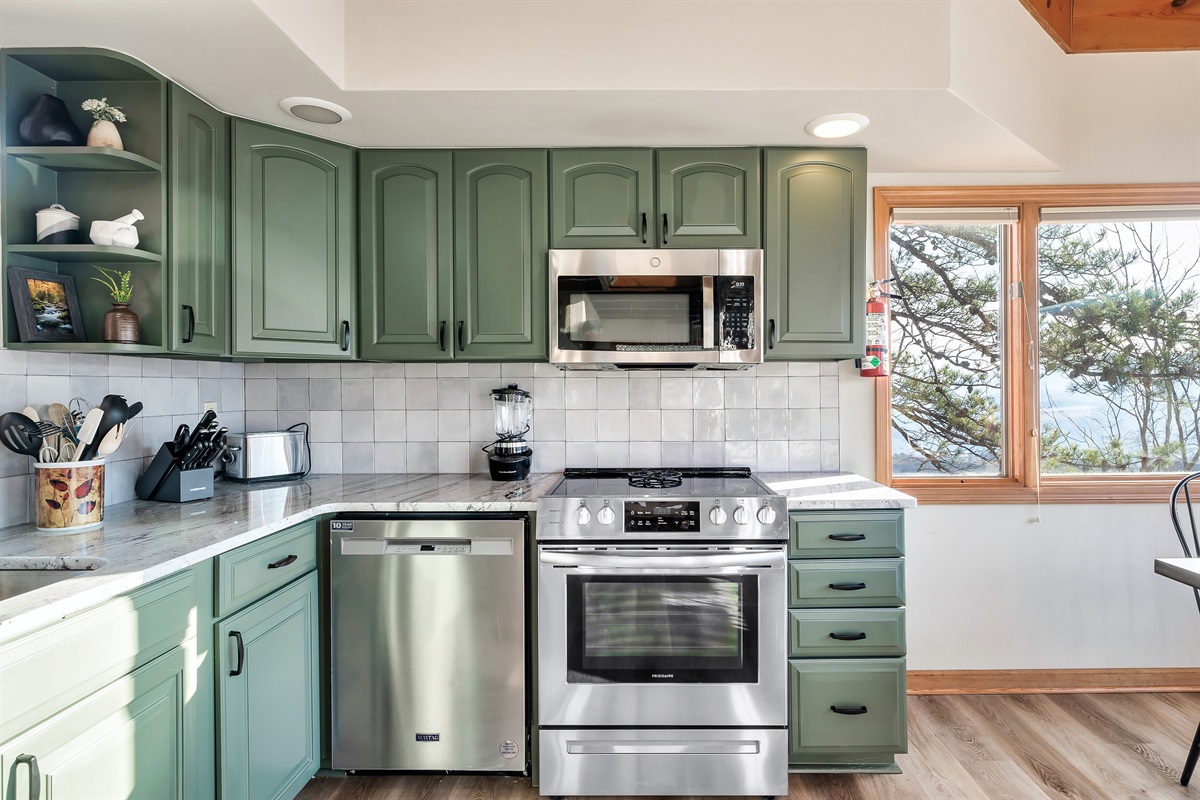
<point>1119,26</point>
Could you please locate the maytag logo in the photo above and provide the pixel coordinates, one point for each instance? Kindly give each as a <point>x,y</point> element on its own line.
<point>662,674</point>
<point>429,737</point>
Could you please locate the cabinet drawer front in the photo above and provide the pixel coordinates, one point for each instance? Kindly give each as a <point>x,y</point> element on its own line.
<point>859,632</point>
<point>46,671</point>
<point>255,570</point>
<point>867,582</point>
<point>837,534</point>
<point>846,705</point>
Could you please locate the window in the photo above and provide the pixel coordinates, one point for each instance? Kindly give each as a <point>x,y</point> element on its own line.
<point>1045,342</point>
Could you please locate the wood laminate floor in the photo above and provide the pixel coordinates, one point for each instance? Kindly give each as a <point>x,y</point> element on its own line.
<point>964,747</point>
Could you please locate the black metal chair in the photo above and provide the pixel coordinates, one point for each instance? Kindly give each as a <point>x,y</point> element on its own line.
<point>1183,517</point>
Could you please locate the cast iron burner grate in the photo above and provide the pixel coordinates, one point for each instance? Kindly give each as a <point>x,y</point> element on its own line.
<point>655,479</point>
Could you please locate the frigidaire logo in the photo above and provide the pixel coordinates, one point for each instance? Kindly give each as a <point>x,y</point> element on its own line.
<point>662,674</point>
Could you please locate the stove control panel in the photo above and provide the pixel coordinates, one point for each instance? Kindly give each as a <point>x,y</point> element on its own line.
<point>763,518</point>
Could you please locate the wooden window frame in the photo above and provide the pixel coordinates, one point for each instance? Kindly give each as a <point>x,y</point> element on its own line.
<point>1023,482</point>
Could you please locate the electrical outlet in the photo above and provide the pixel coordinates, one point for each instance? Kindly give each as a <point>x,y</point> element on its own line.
<point>210,405</point>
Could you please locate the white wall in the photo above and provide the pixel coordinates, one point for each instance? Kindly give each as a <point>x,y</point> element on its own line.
<point>990,587</point>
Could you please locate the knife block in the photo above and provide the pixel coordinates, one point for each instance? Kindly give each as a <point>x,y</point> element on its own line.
<point>180,486</point>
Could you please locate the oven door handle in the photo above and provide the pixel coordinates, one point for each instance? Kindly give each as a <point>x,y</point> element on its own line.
<point>664,747</point>
<point>708,313</point>
<point>642,561</point>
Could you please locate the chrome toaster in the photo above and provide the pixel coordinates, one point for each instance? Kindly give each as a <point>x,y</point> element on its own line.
<point>269,456</point>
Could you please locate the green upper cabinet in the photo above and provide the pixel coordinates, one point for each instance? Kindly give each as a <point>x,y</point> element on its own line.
<point>663,198</point>
<point>293,244</point>
<point>709,198</point>
<point>406,245</point>
<point>199,226</point>
<point>602,198</point>
<point>816,220</point>
<point>453,249</point>
<point>500,255</point>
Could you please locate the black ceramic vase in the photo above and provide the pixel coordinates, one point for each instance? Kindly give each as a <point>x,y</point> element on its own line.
<point>49,122</point>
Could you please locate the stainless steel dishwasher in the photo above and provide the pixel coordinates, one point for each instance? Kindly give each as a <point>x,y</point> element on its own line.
<point>427,636</point>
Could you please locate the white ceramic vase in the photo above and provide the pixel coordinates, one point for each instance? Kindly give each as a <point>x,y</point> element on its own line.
<point>104,134</point>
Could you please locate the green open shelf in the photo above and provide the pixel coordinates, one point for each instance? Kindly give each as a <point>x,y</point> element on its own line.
<point>84,159</point>
<point>83,252</point>
<point>109,348</point>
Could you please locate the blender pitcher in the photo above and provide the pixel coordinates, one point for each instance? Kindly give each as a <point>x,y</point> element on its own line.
<point>509,456</point>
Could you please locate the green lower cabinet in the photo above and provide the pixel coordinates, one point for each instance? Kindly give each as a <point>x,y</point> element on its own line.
<point>830,583</point>
<point>126,740</point>
<point>846,711</point>
<point>269,698</point>
<point>846,632</point>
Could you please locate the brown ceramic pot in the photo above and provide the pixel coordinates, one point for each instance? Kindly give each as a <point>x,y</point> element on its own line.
<point>121,325</point>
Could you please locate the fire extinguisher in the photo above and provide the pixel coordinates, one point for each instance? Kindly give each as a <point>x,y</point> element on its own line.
<point>877,362</point>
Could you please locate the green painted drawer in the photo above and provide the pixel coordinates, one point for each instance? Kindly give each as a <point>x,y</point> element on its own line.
<point>874,688</point>
<point>846,632</point>
<point>257,569</point>
<point>847,534</point>
<point>874,582</point>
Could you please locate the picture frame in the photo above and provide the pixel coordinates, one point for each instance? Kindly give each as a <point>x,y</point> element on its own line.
<point>47,308</point>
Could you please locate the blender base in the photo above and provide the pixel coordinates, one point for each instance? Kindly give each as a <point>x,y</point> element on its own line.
<point>513,467</point>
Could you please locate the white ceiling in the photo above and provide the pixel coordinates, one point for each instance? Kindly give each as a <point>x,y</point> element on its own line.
<point>949,85</point>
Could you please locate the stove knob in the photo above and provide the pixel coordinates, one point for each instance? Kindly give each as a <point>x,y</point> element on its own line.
<point>582,515</point>
<point>766,515</point>
<point>605,516</point>
<point>740,515</point>
<point>718,515</point>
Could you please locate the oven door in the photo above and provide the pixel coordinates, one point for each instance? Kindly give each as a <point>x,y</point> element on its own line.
<point>666,635</point>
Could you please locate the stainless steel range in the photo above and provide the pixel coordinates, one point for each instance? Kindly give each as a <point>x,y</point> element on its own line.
<point>662,634</point>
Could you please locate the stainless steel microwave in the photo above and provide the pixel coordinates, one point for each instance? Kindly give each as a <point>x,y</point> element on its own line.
<point>664,309</point>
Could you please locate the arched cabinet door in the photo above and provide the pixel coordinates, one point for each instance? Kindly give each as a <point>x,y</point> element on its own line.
<point>602,198</point>
<point>199,248</point>
<point>709,198</point>
<point>815,250</point>
<point>294,234</point>
<point>500,255</point>
<point>406,252</point>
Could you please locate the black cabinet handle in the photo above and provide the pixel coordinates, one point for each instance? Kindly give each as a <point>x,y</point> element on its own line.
<point>35,775</point>
<point>241,662</point>
<point>664,227</point>
<point>852,710</point>
<point>283,562</point>
<point>643,227</point>
<point>771,338</point>
<point>442,336</point>
<point>848,637</point>
<point>345,335</point>
<point>847,537</point>
<point>191,334</point>
<point>847,587</point>
<point>461,346</point>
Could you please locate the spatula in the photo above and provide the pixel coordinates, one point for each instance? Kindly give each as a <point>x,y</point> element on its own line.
<point>20,434</point>
<point>87,432</point>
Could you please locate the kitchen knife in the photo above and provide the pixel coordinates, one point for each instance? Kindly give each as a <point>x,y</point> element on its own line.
<point>181,436</point>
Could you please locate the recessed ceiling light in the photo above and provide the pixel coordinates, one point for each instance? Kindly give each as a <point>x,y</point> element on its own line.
<point>835,126</point>
<point>313,109</point>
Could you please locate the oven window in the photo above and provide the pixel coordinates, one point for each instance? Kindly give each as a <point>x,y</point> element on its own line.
<point>665,629</point>
<point>630,312</point>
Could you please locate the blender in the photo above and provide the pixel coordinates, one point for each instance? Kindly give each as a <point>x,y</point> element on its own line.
<point>509,456</point>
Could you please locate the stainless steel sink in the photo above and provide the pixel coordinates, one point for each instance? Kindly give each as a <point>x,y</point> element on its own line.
<point>20,574</point>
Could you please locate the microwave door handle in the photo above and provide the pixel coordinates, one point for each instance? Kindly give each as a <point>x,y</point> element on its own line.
<point>662,562</point>
<point>708,313</point>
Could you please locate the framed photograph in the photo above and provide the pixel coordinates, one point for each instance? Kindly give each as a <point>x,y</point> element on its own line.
<point>47,308</point>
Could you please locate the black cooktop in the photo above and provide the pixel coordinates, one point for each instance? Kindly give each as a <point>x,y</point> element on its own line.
<point>659,482</point>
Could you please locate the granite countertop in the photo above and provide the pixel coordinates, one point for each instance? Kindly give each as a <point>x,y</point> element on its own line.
<point>143,541</point>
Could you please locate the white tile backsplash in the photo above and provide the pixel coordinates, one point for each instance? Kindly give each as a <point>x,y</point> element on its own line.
<point>422,417</point>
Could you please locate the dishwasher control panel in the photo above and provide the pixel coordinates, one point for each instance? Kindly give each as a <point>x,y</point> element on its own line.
<point>431,548</point>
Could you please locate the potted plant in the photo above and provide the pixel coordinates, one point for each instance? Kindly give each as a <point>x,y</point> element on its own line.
<point>104,132</point>
<point>120,324</point>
